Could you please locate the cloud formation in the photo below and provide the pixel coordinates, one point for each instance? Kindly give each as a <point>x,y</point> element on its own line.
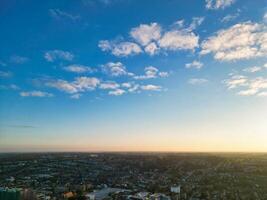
<point>151,39</point>
<point>115,69</point>
<point>116,92</point>
<point>151,87</point>
<point>36,93</point>
<point>247,86</point>
<point>76,68</point>
<point>80,84</point>
<point>241,41</point>
<point>197,81</point>
<point>56,54</point>
<point>120,48</point>
<point>218,4</point>
<point>179,40</point>
<point>146,33</point>
<point>109,85</point>
<point>151,72</point>
<point>195,64</point>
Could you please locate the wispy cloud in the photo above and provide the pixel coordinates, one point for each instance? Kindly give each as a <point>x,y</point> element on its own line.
<point>59,14</point>
<point>151,87</point>
<point>109,85</point>
<point>53,55</point>
<point>246,86</point>
<point>35,94</point>
<point>197,81</point>
<point>9,87</point>
<point>229,17</point>
<point>76,96</point>
<point>3,64</point>
<point>21,126</point>
<point>120,48</point>
<point>195,64</point>
<point>5,74</point>
<point>115,69</point>
<point>116,92</point>
<point>76,68</point>
<point>19,59</point>
<point>218,4</point>
<point>80,84</point>
<point>151,72</point>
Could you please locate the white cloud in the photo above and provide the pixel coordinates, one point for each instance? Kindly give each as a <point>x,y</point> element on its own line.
<point>179,40</point>
<point>105,45</point>
<point>36,94</point>
<point>53,55</point>
<point>109,85</point>
<point>152,40</point>
<point>86,83</point>
<point>116,92</point>
<point>247,86</point>
<point>179,23</point>
<point>76,96</point>
<point>80,84</point>
<point>262,94</point>
<point>197,81</point>
<point>115,69</point>
<point>236,81</point>
<point>126,48</point>
<point>151,87</point>
<point>18,59</point>
<point>265,17</point>
<point>151,72</point>
<point>241,41</point>
<point>145,33</point>
<point>152,48</point>
<point>59,14</point>
<point>163,74</point>
<point>218,4</point>
<point>121,48</point>
<point>126,85</point>
<point>196,21</point>
<point>248,92</point>
<point>76,68</point>
<point>252,69</point>
<point>63,85</point>
<point>134,88</point>
<point>131,87</point>
<point>229,17</point>
<point>4,74</point>
<point>194,64</point>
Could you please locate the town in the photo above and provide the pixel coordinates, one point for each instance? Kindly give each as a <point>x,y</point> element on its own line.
<point>136,176</point>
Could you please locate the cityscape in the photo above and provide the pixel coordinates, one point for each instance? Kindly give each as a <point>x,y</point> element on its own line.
<point>135,176</point>
<point>133,100</point>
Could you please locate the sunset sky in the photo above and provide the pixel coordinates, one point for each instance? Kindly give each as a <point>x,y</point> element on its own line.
<point>129,75</point>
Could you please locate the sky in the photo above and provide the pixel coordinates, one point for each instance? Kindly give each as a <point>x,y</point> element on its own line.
<point>128,75</point>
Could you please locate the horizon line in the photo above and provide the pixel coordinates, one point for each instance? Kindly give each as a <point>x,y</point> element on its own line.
<point>118,151</point>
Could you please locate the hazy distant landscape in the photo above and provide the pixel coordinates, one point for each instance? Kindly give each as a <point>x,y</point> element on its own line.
<point>191,176</point>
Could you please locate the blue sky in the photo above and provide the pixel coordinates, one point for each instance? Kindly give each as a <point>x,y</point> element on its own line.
<point>128,75</point>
